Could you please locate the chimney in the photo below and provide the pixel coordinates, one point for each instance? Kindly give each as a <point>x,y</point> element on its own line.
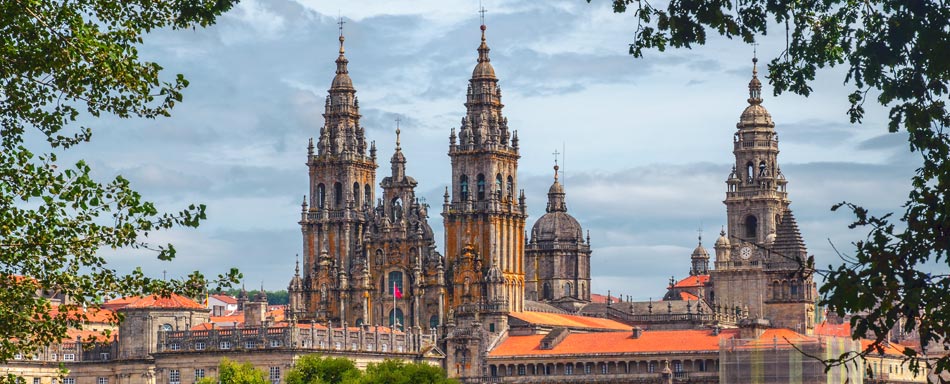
<point>637,332</point>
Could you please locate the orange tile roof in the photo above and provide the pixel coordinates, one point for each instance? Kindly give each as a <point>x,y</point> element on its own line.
<point>888,349</point>
<point>692,281</point>
<point>616,342</point>
<point>827,329</point>
<point>153,301</point>
<point>569,321</point>
<point>782,336</point>
<point>86,335</point>
<point>602,299</point>
<point>104,316</point>
<point>688,296</point>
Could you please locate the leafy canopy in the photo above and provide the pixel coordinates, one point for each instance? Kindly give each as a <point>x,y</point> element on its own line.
<point>312,369</point>
<point>232,372</point>
<point>63,65</point>
<point>900,50</point>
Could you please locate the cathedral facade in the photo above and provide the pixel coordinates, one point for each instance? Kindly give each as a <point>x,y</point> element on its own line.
<point>371,260</point>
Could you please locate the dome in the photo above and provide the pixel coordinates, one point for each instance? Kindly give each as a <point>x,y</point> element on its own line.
<point>482,70</point>
<point>556,225</point>
<point>755,115</point>
<point>700,252</point>
<point>723,241</point>
<point>556,188</point>
<point>342,80</point>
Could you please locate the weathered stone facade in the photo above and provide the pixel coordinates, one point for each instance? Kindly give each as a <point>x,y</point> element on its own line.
<point>759,265</point>
<point>557,258</point>
<point>357,250</point>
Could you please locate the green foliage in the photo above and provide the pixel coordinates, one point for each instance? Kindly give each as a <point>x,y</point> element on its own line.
<point>313,369</point>
<point>900,50</point>
<point>400,372</point>
<point>232,372</point>
<point>62,63</point>
<point>280,297</point>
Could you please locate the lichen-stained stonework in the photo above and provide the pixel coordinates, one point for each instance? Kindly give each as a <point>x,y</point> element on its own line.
<point>356,250</point>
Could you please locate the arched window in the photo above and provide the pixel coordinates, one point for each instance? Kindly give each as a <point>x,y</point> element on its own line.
<point>359,322</point>
<point>338,195</point>
<point>481,186</point>
<point>793,288</point>
<point>776,290</point>
<point>498,185</point>
<point>750,170</point>
<point>321,195</point>
<point>434,321</point>
<point>379,256</point>
<point>395,210</point>
<point>397,321</point>
<point>751,226</point>
<point>356,194</point>
<point>463,187</point>
<point>762,168</point>
<point>368,194</point>
<point>510,187</point>
<point>547,292</point>
<point>567,290</point>
<point>395,277</point>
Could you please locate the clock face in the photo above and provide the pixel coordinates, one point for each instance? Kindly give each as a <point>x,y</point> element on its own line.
<point>745,253</point>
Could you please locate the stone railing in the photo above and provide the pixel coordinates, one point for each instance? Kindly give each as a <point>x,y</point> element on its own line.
<point>358,339</point>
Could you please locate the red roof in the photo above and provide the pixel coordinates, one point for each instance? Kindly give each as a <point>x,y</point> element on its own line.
<point>602,299</point>
<point>568,321</point>
<point>154,301</point>
<point>225,299</point>
<point>688,296</point>
<point>827,329</point>
<point>616,342</point>
<point>692,281</point>
<point>104,316</point>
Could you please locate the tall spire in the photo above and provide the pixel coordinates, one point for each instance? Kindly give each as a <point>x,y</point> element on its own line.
<point>556,201</point>
<point>755,87</point>
<point>341,62</point>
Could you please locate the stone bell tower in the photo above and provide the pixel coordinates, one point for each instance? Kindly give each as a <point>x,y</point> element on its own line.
<point>342,179</point>
<point>485,211</point>
<point>759,264</point>
<point>484,217</point>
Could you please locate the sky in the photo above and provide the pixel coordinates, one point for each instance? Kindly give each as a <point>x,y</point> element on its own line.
<point>646,142</point>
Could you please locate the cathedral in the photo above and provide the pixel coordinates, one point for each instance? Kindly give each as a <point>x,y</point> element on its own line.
<point>371,260</point>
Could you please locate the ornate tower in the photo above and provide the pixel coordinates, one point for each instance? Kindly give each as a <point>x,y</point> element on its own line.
<point>484,220</point>
<point>401,254</point>
<point>699,260</point>
<point>759,265</point>
<point>557,259</point>
<point>485,212</point>
<point>341,195</point>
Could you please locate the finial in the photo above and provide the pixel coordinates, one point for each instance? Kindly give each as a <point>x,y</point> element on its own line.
<point>722,231</point>
<point>755,87</point>
<point>700,231</point>
<point>481,10</point>
<point>297,268</point>
<point>397,132</point>
<point>340,23</point>
<point>755,58</point>
<point>556,168</point>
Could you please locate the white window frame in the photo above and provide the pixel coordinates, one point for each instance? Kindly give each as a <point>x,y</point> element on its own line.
<point>249,344</point>
<point>69,357</point>
<point>274,374</point>
<point>274,343</point>
<point>200,346</point>
<point>102,380</point>
<point>174,376</point>
<point>199,373</point>
<point>224,345</point>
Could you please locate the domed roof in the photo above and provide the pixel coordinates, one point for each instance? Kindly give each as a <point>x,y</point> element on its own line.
<point>341,80</point>
<point>700,251</point>
<point>556,225</point>
<point>723,241</point>
<point>755,115</point>
<point>484,68</point>
<point>556,188</point>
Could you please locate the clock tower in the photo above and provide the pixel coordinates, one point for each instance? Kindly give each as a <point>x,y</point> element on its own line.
<point>760,255</point>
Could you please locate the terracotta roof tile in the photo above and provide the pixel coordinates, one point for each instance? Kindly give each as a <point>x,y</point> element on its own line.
<point>154,301</point>
<point>828,329</point>
<point>688,296</point>
<point>569,321</point>
<point>692,281</point>
<point>616,342</point>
